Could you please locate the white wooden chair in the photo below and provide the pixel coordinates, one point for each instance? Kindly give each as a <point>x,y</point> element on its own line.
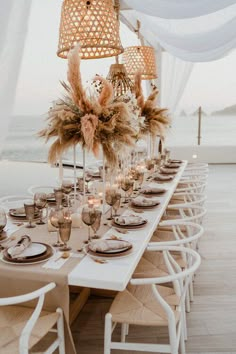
<point>22,327</point>
<point>186,212</point>
<point>191,198</point>
<point>146,302</point>
<point>14,201</point>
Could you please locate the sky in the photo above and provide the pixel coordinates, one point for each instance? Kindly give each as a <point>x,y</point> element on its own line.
<point>211,85</point>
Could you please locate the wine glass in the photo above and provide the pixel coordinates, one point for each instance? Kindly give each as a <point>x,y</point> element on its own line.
<point>88,217</point>
<point>88,178</point>
<point>116,205</point>
<point>58,192</point>
<point>30,213</point>
<point>64,232</point>
<point>97,223</point>
<point>40,201</point>
<point>66,186</point>
<point>126,184</point>
<point>55,216</point>
<point>3,219</point>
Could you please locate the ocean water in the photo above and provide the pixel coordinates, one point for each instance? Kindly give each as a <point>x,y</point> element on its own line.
<point>23,144</point>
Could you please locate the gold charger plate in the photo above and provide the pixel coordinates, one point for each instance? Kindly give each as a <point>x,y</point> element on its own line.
<point>138,226</point>
<point>29,260</point>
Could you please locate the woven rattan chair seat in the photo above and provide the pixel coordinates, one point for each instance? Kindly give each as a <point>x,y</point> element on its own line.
<point>137,305</point>
<point>13,320</point>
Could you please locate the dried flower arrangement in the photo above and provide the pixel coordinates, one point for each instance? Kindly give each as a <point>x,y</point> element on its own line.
<point>90,121</point>
<point>156,119</point>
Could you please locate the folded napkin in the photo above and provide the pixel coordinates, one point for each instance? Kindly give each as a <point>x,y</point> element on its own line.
<point>108,245</point>
<point>142,201</point>
<point>129,220</point>
<point>152,190</point>
<point>21,245</point>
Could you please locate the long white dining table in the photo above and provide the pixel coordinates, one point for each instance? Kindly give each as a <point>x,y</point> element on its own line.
<point>117,271</point>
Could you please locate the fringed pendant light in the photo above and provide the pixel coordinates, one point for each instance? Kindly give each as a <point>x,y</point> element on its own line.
<point>119,79</point>
<point>93,24</point>
<point>140,58</point>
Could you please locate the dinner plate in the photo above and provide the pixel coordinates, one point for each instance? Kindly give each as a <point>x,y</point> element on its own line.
<point>117,255</point>
<point>113,252</point>
<point>156,192</point>
<point>4,257</point>
<point>132,226</point>
<point>163,178</point>
<point>35,249</point>
<point>132,204</point>
<point>20,214</point>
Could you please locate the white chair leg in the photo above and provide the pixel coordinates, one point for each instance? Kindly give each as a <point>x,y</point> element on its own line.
<point>173,338</point>
<point>107,333</point>
<point>187,301</point>
<point>60,331</point>
<point>182,342</point>
<point>191,290</point>
<point>123,332</point>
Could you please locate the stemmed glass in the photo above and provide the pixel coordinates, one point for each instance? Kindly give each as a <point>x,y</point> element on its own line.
<point>64,232</point>
<point>116,205</point>
<point>97,223</point>
<point>88,217</point>
<point>55,216</point>
<point>111,197</point>
<point>30,213</point>
<point>58,192</point>
<point>126,184</point>
<point>66,186</point>
<point>88,178</point>
<point>40,201</point>
<point>3,219</point>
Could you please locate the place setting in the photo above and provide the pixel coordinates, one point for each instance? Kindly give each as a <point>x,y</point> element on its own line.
<point>144,202</point>
<point>27,252</point>
<point>108,248</point>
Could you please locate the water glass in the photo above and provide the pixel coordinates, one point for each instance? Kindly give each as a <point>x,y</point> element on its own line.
<point>58,192</point>
<point>97,223</point>
<point>30,213</point>
<point>88,217</point>
<point>64,232</point>
<point>40,201</point>
<point>55,216</point>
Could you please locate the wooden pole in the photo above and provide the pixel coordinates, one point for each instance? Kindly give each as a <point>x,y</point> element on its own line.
<point>199,125</point>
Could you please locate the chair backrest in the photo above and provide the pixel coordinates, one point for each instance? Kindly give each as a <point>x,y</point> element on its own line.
<point>14,201</point>
<point>178,276</point>
<point>40,189</point>
<point>40,294</point>
<point>185,213</point>
<point>184,233</point>
<point>192,198</point>
<point>193,186</point>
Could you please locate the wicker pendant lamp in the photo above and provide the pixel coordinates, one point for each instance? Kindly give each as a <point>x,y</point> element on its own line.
<point>119,79</point>
<point>92,23</point>
<point>140,58</point>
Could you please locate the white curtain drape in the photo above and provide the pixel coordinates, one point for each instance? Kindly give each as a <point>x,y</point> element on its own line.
<point>175,75</point>
<point>177,9</point>
<point>198,39</point>
<point>14,16</point>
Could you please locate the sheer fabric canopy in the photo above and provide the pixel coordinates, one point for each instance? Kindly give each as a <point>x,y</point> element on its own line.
<point>13,29</point>
<point>203,38</point>
<point>177,9</point>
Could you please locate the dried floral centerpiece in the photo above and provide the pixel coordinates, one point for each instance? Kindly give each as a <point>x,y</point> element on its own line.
<point>93,122</point>
<point>156,119</point>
